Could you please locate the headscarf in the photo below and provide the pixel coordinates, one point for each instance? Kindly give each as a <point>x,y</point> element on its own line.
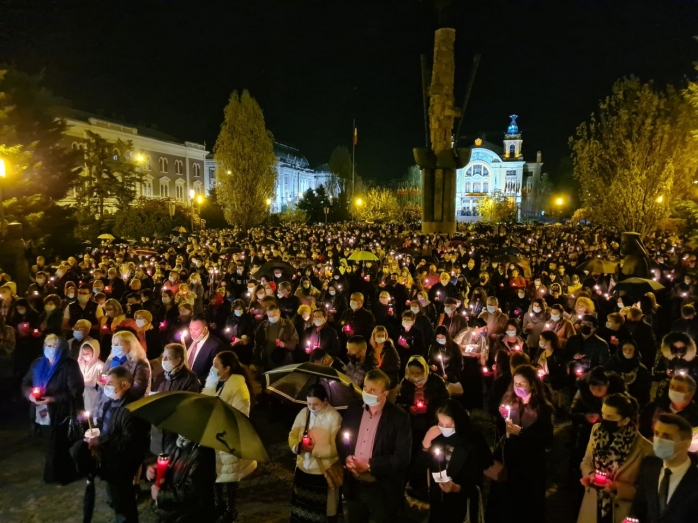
<point>43,372</point>
<point>421,361</point>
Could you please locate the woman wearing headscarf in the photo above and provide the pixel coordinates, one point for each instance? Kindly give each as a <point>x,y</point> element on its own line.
<point>456,449</point>
<point>616,449</point>
<point>144,327</point>
<point>627,364</point>
<point>91,368</point>
<point>421,393</point>
<point>57,381</point>
<point>529,425</point>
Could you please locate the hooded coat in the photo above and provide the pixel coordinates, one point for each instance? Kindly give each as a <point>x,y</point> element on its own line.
<point>669,364</point>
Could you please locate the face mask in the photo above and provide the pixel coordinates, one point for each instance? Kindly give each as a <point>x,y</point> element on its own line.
<point>40,282</point>
<point>239,271</point>
<point>140,323</point>
<point>448,310</point>
<point>167,366</point>
<point>78,335</point>
<point>70,295</point>
<point>166,300</point>
<point>441,341</point>
<point>110,392</point>
<point>332,293</point>
<point>50,352</point>
<point>50,308</point>
<point>609,325</point>
<point>380,340</point>
<point>554,317</point>
<point>521,392</point>
<point>620,304</point>
<point>237,312</point>
<point>677,397</point>
<point>319,322</point>
<point>273,319</point>
<point>277,275</point>
<point>415,310</point>
<point>536,309</point>
<point>542,344</point>
<point>687,282</point>
<point>586,330</point>
<point>522,295</point>
<point>354,305</point>
<point>172,279</point>
<point>182,442</point>
<point>447,432</point>
<point>418,382</point>
<point>664,448</point>
<point>317,410</point>
<point>491,309</point>
<point>213,373</point>
<point>609,426</point>
<point>21,311</point>
<point>369,399</point>
<point>537,283</point>
<point>407,325</point>
<point>511,334</point>
<point>117,351</point>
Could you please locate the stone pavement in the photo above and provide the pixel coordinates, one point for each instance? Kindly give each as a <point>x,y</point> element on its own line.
<point>263,497</point>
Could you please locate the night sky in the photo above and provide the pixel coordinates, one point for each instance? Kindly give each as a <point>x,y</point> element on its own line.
<point>313,65</point>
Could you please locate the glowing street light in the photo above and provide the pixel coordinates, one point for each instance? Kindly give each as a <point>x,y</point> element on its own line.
<point>200,199</point>
<point>559,201</point>
<point>359,202</point>
<point>660,198</point>
<point>269,201</point>
<point>140,158</point>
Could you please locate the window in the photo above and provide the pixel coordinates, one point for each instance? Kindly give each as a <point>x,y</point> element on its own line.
<point>198,189</point>
<point>477,170</point>
<point>75,146</point>
<point>180,192</point>
<point>511,173</point>
<point>164,189</point>
<point>197,170</point>
<point>512,150</point>
<point>467,187</point>
<point>163,165</point>
<point>476,187</point>
<point>147,189</point>
<point>115,155</point>
<point>178,167</point>
<point>147,163</point>
<point>485,187</point>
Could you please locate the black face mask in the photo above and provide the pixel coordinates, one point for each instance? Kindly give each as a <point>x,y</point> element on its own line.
<point>610,426</point>
<point>586,330</point>
<point>353,359</point>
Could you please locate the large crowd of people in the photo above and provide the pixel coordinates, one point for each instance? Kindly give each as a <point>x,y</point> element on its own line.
<point>523,324</point>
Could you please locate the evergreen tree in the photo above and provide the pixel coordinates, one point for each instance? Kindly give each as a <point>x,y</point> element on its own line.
<point>244,152</point>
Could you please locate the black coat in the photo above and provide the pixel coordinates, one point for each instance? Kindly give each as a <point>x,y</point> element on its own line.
<point>435,394</point>
<point>683,504</point>
<point>357,323</point>
<point>204,359</point>
<point>594,349</point>
<point>643,335</point>
<point>392,448</point>
<point>663,406</point>
<point>636,376</point>
<point>326,339</point>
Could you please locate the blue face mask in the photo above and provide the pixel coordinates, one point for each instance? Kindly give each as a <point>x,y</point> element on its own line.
<point>491,309</point>
<point>664,448</point>
<point>237,312</point>
<point>50,352</point>
<point>78,335</point>
<point>117,351</point>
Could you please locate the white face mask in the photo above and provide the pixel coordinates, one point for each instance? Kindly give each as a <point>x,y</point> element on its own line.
<point>447,432</point>
<point>448,310</point>
<point>117,351</point>
<point>380,340</point>
<point>110,392</point>
<point>676,396</point>
<point>522,295</point>
<point>166,300</point>
<point>542,344</point>
<point>536,309</point>
<point>441,341</point>
<point>370,400</point>
<point>213,373</point>
<point>168,366</point>
<point>319,322</point>
<point>354,305</point>
<point>415,310</point>
<point>140,323</point>
<point>554,317</point>
<point>407,325</point>
<point>491,309</point>
<point>274,319</point>
<point>332,293</point>
<point>511,334</point>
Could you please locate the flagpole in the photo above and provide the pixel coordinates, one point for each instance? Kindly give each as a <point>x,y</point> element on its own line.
<point>353,161</point>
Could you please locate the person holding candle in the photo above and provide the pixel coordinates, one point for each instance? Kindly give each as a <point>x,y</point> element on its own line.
<point>181,323</point>
<point>530,428</point>
<point>334,302</point>
<point>385,313</point>
<point>450,319</point>
<point>275,340</point>
<point>385,354</point>
<point>422,322</point>
<point>458,450</point>
<point>128,352</point>
<point>357,321</point>
<point>374,442</point>
<point>302,320</point>
<point>612,462</point>
<point>312,439</point>
<point>166,317</point>
<point>586,349</point>
<point>428,308</point>
<point>667,484</point>
<point>83,308</point>
<point>552,368</point>
<point>410,341</point>
<point>534,321</point>
<point>421,393</point>
<point>444,357</point>
<point>51,319</point>
<point>91,367</point>
<point>559,324</point>
<point>54,386</point>
<point>495,318</point>
<point>510,340</point>
<point>230,381</point>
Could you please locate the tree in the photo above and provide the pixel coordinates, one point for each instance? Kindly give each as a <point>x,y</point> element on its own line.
<point>637,157</point>
<point>244,152</point>
<point>212,212</point>
<point>378,205</point>
<point>293,215</point>
<point>498,208</point>
<point>341,167</point>
<point>149,216</point>
<point>106,178</point>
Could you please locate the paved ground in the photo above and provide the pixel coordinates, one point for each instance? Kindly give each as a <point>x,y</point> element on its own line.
<point>263,497</point>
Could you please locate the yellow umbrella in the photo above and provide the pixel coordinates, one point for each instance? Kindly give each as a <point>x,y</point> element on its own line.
<point>105,237</point>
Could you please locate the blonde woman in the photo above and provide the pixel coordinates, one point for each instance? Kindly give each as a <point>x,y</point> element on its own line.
<point>144,327</point>
<point>127,351</point>
<point>386,354</point>
<point>184,295</point>
<point>91,367</point>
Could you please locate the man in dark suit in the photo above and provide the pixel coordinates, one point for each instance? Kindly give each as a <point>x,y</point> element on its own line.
<point>202,347</point>
<point>667,487</point>
<point>374,443</point>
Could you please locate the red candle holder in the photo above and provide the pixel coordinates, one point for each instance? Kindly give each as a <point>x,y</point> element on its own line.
<point>162,465</point>
<point>579,371</point>
<point>163,325</point>
<point>23,329</point>
<point>485,371</point>
<point>420,406</point>
<point>600,478</point>
<point>305,440</point>
<point>36,333</point>
<point>36,393</point>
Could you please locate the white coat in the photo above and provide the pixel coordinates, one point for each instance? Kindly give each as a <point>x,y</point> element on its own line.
<point>323,429</point>
<point>230,468</point>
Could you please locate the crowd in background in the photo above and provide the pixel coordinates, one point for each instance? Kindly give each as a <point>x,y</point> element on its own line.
<point>514,321</point>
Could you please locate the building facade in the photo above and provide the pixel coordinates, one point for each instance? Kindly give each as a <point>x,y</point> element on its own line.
<point>169,167</point>
<point>503,168</point>
<point>294,176</point>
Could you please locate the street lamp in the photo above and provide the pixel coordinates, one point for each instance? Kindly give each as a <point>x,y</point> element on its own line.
<point>660,198</point>
<point>3,173</point>
<point>359,202</point>
<point>269,201</point>
<point>559,202</point>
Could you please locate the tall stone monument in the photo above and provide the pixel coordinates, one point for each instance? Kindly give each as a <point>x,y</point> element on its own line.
<point>440,161</point>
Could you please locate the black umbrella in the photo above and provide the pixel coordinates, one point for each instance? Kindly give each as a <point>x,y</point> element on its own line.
<point>292,383</point>
<point>506,258</point>
<point>268,268</point>
<point>638,286</point>
<point>266,241</point>
<point>410,252</point>
<point>120,241</point>
<point>395,241</point>
<point>507,250</point>
<point>597,265</point>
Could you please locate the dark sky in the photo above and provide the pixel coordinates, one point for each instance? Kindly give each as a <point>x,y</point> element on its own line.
<point>313,64</point>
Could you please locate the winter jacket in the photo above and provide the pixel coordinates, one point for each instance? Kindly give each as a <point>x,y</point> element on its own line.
<point>322,428</point>
<point>230,468</point>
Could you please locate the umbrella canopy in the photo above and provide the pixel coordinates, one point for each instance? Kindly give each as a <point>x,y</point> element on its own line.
<point>266,241</point>
<point>105,237</point>
<point>363,256</point>
<point>268,269</point>
<point>179,239</point>
<point>638,286</point>
<point>146,252</point>
<point>292,382</point>
<point>507,250</point>
<point>119,242</point>
<point>179,229</point>
<point>206,420</point>
<point>599,266</point>
<point>506,258</point>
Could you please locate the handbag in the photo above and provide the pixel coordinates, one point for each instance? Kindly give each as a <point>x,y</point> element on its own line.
<point>480,516</point>
<point>74,429</point>
<point>333,475</point>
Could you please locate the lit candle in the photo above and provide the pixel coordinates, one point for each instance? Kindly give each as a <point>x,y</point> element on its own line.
<point>86,415</point>
<point>437,454</point>
<point>579,371</point>
<point>305,440</point>
<point>485,371</point>
<point>183,335</point>
<point>600,478</point>
<point>346,438</point>
<point>441,359</point>
<point>36,393</point>
<point>161,470</point>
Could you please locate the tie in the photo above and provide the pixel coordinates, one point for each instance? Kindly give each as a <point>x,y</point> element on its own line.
<point>192,353</point>
<point>664,490</point>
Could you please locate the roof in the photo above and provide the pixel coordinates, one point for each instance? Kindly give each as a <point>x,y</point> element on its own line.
<point>84,116</point>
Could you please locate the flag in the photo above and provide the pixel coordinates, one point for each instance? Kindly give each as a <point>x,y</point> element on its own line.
<point>356,135</point>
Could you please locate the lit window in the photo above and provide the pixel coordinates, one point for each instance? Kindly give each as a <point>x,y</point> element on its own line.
<point>512,150</point>
<point>115,155</point>
<point>476,187</point>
